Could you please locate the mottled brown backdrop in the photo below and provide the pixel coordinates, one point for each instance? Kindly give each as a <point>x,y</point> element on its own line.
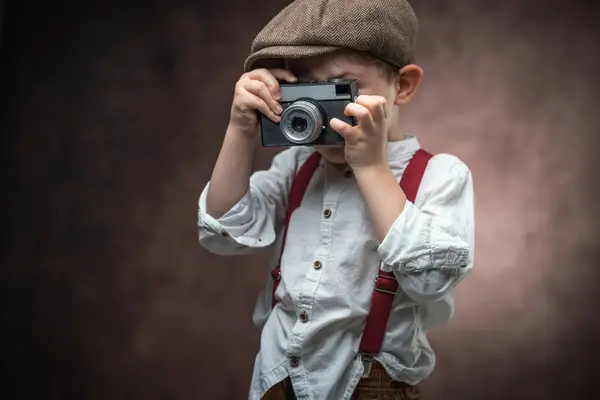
<point>113,114</point>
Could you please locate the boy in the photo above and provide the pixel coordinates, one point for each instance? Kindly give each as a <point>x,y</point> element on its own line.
<point>353,215</point>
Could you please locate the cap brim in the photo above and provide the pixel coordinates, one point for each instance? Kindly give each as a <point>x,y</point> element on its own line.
<point>274,56</point>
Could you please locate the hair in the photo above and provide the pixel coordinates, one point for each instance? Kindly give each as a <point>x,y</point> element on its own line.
<point>388,70</point>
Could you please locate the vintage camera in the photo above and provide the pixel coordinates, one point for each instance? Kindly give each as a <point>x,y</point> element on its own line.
<point>307,110</point>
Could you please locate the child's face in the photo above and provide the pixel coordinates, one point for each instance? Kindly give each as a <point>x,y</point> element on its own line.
<point>370,78</point>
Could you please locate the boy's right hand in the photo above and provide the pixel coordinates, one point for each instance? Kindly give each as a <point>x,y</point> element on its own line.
<point>257,90</point>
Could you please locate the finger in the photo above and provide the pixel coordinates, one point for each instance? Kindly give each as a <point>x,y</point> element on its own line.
<point>260,89</point>
<point>376,106</point>
<point>263,75</point>
<point>270,78</point>
<point>347,131</point>
<point>283,75</point>
<point>250,101</point>
<point>362,114</point>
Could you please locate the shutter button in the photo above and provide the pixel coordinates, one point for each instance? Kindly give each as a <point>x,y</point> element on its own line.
<point>294,362</point>
<point>327,213</point>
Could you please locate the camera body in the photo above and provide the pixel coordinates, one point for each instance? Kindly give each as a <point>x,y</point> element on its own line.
<point>307,110</point>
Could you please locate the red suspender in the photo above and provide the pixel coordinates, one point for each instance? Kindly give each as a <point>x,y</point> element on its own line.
<point>386,284</point>
<point>299,185</point>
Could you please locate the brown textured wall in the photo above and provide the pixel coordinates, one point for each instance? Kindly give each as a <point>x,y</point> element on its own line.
<point>113,117</point>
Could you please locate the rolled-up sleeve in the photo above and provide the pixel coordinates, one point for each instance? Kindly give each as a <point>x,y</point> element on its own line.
<point>430,245</point>
<point>253,223</point>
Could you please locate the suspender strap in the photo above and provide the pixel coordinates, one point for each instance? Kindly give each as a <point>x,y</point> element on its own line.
<point>386,284</point>
<point>299,185</point>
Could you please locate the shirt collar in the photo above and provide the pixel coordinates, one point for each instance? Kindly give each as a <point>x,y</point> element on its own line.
<point>403,150</point>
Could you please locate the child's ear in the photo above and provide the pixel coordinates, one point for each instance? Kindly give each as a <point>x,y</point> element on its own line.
<point>407,82</point>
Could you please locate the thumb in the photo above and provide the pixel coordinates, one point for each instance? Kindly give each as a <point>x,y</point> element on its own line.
<point>342,128</point>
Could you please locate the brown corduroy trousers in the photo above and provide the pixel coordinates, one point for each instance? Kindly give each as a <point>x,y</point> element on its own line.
<point>378,386</point>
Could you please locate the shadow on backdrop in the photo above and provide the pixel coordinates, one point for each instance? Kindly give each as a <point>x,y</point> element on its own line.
<point>112,119</point>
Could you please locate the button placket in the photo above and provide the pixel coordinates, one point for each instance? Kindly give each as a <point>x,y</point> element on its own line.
<point>308,294</point>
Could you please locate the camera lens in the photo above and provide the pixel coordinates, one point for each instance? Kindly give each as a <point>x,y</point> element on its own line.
<point>302,122</point>
<point>299,124</point>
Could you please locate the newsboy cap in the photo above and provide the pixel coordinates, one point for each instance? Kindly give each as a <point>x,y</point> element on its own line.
<point>384,28</point>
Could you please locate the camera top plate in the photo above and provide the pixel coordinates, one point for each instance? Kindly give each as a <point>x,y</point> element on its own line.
<point>332,90</point>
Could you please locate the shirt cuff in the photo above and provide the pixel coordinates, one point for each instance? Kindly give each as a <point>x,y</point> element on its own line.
<point>234,224</point>
<point>416,242</point>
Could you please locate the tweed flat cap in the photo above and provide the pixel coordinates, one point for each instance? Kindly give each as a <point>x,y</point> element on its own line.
<point>385,28</point>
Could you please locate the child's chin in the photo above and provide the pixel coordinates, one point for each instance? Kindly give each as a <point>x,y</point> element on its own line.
<point>332,154</point>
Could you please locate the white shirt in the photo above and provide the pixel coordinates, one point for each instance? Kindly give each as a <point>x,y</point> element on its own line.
<point>429,247</point>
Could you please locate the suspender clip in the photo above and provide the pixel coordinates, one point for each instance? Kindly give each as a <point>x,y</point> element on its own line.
<point>367,360</point>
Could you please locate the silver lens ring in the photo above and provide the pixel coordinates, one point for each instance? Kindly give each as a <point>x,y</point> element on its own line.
<point>301,122</point>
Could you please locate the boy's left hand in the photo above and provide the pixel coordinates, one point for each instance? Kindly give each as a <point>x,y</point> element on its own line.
<point>366,143</point>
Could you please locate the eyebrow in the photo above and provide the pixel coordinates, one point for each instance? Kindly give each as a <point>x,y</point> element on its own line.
<point>337,76</point>
<point>348,73</point>
<point>305,76</point>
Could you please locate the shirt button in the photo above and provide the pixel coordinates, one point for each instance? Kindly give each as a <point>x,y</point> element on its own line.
<point>303,316</point>
<point>224,234</point>
<point>317,264</point>
<point>348,173</point>
<point>294,362</point>
<point>327,213</point>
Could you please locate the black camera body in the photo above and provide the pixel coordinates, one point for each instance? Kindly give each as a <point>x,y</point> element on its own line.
<point>307,110</point>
